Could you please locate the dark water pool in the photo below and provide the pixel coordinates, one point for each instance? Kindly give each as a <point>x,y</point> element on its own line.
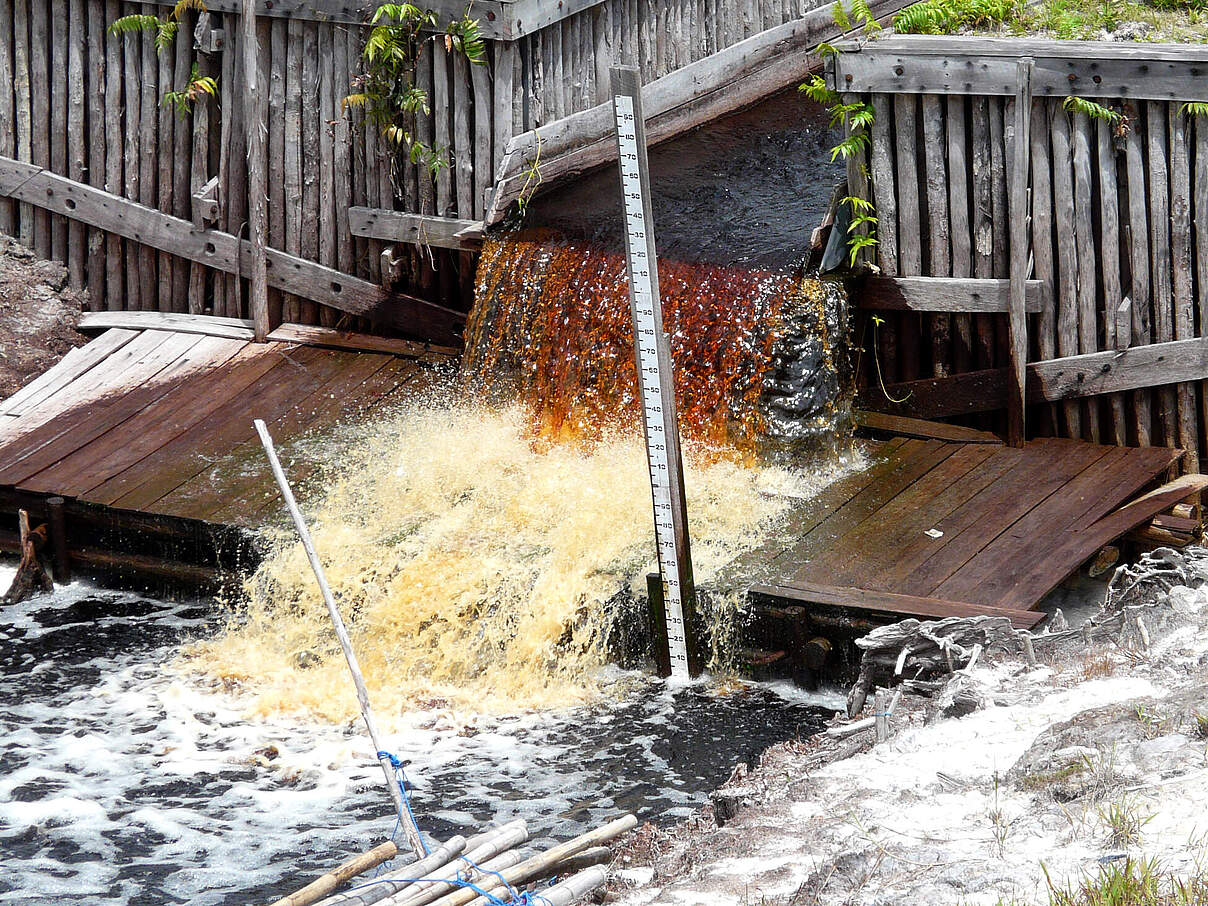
<point>124,781</point>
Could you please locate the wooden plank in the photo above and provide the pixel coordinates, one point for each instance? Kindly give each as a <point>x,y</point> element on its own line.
<point>75,363</point>
<point>23,110</point>
<point>1067,252</point>
<point>1065,558</point>
<point>921,428</point>
<point>329,111</point>
<point>397,226</point>
<point>148,138</point>
<point>165,151</point>
<point>1138,250</point>
<point>1042,244</point>
<point>982,518</point>
<point>483,166</point>
<point>919,64</point>
<point>943,294</point>
<point>342,155</point>
<point>1053,380</point>
<point>694,94</point>
<point>441,107</point>
<point>278,51</point>
<point>8,127</point>
<point>896,522</point>
<point>181,160</point>
<point>463,145</point>
<point>226,253</point>
<point>910,230</point>
<point>206,325</point>
<point>254,115</point>
<point>1080,502</point>
<point>1084,245</point>
<point>1018,206</point>
<point>1200,183</point>
<point>114,157</point>
<point>983,220</point>
<point>309,223</point>
<point>135,432</point>
<point>1181,276</point>
<point>1158,170</point>
<point>291,307</point>
<point>897,605</point>
<point>40,63</point>
<point>360,342</point>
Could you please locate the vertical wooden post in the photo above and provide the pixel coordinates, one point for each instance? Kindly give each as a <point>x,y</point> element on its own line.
<point>1016,427</point>
<point>881,713</point>
<point>56,508</point>
<point>653,353</point>
<point>257,192</point>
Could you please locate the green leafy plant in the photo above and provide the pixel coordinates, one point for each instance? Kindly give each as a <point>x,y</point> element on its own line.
<point>164,33</point>
<point>1194,109</point>
<point>1124,821</point>
<point>943,17</point>
<point>387,92</point>
<point>1092,110</point>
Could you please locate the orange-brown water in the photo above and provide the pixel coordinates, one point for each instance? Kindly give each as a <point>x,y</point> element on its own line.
<point>552,326</point>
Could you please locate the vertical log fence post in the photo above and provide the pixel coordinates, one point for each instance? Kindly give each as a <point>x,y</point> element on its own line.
<point>257,191</point>
<point>1016,426</point>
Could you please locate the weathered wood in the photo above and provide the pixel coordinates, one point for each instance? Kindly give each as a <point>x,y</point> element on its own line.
<point>227,253</point>
<point>1138,251</point>
<point>130,105</point>
<point>943,294</point>
<point>361,342</point>
<point>310,125</point>
<point>23,112</point>
<point>884,189</point>
<point>257,165</point>
<point>959,231</point>
<point>396,226</point>
<point>56,57</point>
<point>1053,380</point>
<point>983,220</point>
<point>1109,251</point>
<point>8,128</point>
<point>463,147</point>
<point>291,306</point>
<point>1067,253</point>
<point>917,427</point>
<point>1181,258</point>
<point>39,91</point>
<point>923,64</point>
<point>858,187</point>
<point>1122,317</point>
<point>77,24</point>
<point>910,228</point>
<point>148,133</point>
<point>204,204</point>
<point>96,143</point>
<point>699,92</point>
<point>1158,170</point>
<point>939,258</point>
<point>441,107</point>
<point>1017,320</point>
<point>328,113</point>
<point>1084,245</point>
<point>165,151</point>
<point>1200,183</point>
<point>205,325</point>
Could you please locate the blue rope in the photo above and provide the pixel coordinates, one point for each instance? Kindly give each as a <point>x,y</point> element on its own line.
<point>401,776</point>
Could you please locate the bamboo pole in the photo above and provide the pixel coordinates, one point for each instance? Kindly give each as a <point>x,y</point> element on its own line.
<point>399,879</point>
<point>490,854</point>
<point>410,829</point>
<point>322,886</point>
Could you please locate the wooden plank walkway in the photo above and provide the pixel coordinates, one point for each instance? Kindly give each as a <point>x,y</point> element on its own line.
<point>933,528</point>
<point>159,422</point>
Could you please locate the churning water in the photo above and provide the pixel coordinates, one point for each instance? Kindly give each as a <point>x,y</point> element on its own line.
<point>125,780</point>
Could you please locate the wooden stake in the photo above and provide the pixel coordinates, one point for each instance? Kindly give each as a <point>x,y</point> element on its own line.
<point>1016,427</point>
<point>321,887</point>
<point>257,161</point>
<point>410,829</point>
<point>881,707</point>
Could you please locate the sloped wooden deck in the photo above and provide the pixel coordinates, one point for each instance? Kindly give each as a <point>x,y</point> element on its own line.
<point>153,428</point>
<point>935,529</point>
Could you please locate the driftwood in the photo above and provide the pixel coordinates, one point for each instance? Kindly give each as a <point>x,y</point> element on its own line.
<point>31,578</point>
<point>917,650</point>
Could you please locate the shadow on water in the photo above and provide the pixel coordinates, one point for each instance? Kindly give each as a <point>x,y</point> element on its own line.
<point>121,779</point>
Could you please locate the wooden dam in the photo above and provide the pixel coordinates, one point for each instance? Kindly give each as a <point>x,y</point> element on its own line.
<point>1074,400</point>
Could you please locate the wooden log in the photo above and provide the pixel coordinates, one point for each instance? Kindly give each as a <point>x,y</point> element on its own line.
<point>1138,251</point>
<point>398,880</point>
<point>884,184</point>
<point>1181,258</point>
<point>310,222</point>
<point>56,511</point>
<point>198,176</point>
<point>910,252</point>
<point>1042,243</point>
<point>341,156</point>
<point>291,306</point>
<point>278,50</point>
<point>441,107</point>
<point>939,258</point>
<point>328,112</point>
<point>130,103</point>
<point>396,226</point>
<point>164,152</point>
<point>899,426</point>
<point>540,865</point>
<point>881,715</point>
<point>148,136</point>
<point>23,110</point>
<point>8,126</point>
<point>1084,244</point>
<point>76,245</point>
<point>357,865</point>
<point>181,159</point>
<point>943,294</point>
<point>30,578</point>
<point>96,142</point>
<point>463,145</point>
<point>225,252</point>
<point>1200,183</point>
<point>1017,320</point>
<point>959,232</point>
<point>1109,251</point>
<point>40,67</point>
<point>1158,169</point>
<point>114,156</point>
<point>483,166</point>
<point>1067,261</point>
<point>257,164</point>
<point>983,223</point>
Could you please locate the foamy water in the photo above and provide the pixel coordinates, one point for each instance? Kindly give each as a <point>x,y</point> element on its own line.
<point>124,780</point>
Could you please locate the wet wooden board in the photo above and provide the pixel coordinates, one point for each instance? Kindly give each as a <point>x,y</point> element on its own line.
<point>160,422</point>
<point>933,529</point>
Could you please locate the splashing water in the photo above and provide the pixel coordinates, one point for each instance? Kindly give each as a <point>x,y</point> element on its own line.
<point>475,568</point>
<point>756,353</point>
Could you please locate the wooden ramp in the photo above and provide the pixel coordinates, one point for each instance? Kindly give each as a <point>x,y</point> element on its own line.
<point>935,529</point>
<point>153,428</point>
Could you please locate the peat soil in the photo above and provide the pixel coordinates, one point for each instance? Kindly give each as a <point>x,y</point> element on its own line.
<point>38,315</point>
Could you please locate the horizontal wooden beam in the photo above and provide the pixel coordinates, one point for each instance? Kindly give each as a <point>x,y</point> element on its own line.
<point>1050,380</point>
<point>928,64</point>
<point>241,329</point>
<point>895,605</point>
<point>421,229</point>
<point>728,80</point>
<point>950,294</point>
<point>901,426</point>
<point>227,253</point>
<point>499,20</point>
